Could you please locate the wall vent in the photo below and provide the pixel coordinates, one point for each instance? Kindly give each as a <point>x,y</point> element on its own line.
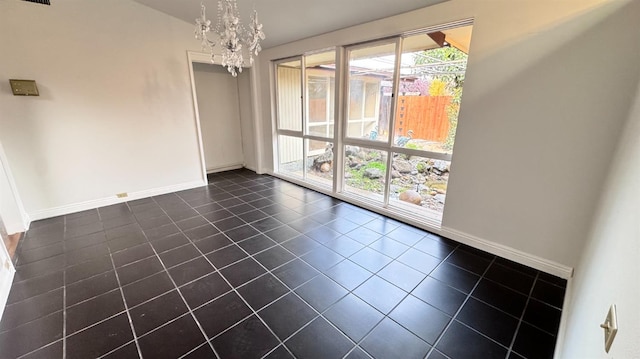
<point>44,2</point>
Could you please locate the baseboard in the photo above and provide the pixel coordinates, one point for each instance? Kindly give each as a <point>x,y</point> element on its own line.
<point>515,255</point>
<point>132,196</point>
<point>224,168</point>
<point>252,168</point>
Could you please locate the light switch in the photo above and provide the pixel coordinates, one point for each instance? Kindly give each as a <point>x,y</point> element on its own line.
<point>610,327</point>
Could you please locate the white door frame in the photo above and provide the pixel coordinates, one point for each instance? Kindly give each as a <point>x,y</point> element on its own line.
<point>18,220</point>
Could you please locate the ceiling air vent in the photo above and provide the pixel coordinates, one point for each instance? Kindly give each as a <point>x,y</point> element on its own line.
<point>45,2</point>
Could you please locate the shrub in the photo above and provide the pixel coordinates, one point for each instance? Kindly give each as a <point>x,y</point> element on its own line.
<point>412,146</point>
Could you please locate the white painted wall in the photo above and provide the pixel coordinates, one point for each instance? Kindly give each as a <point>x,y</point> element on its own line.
<point>219,109</point>
<point>246,118</point>
<point>115,112</point>
<point>543,106</point>
<point>608,269</point>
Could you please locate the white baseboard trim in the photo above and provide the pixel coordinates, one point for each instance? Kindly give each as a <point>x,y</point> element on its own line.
<point>224,168</point>
<point>515,255</point>
<point>132,196</point>
<point>252,168</point>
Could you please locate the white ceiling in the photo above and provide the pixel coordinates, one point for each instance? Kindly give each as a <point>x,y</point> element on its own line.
<point>289,20</point>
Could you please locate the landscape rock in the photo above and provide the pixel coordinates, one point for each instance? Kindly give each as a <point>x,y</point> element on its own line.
<point>440,198</point>
<point>372,173</point>
<point>325,167</point>
<point>351,150</point>
<point>395,174</point>
<point>411,196</point>
<point>441,166</point>
<point>402,166</point>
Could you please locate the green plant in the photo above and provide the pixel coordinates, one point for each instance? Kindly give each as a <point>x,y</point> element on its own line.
<point>435,185</point>
<point>374,156</point>
<point>412,146</point>
<point>378,165</point>
<point>421,167</point>
<point>358,180</point>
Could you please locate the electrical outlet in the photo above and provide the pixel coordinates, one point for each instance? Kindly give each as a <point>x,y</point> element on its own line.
<point>610,327</point>
<point>122,195</point>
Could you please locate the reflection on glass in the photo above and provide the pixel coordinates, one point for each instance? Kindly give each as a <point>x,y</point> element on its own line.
<point>320,162</point>
<point>290,156</point>
<point>321,74</point>
<point>419,184</point>
<point>371,72</point>
<point>430,91</point>
<point>289,92</point>
<point>365,171</point>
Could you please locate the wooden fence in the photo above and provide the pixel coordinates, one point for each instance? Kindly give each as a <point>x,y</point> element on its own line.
<point>426,116</point>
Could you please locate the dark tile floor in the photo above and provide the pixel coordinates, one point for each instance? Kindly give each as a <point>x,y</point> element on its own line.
<point>252,266</point>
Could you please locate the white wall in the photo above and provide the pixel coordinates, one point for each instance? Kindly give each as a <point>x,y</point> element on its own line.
<point>246,118</point>
<point>219,112</point>
<point>115,112</point>
<point>543,105</point>
<point>608,269</point>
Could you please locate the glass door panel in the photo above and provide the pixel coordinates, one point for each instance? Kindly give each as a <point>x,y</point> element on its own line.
<point>289,95</point>
<point>419,185</point>
<point>320,70</point>
<point>319,163</point>
<point>430,90</point>
<point>290,156</point>
<point>370,85</point>
<point>365,171</point>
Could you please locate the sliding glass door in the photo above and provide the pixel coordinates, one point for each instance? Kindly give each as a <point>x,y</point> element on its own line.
<point>368,108</point>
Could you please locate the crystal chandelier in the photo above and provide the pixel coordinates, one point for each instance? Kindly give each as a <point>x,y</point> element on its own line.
<point>231,35</point>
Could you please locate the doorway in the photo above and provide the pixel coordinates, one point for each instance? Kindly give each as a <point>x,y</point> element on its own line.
<point>218,103</point>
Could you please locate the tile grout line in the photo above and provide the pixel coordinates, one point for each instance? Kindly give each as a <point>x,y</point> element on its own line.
<point>386,316</point>
<point>126,306</point>
<point>64,293</point>
<point>455,315</point>
<point>524,310</point>
<point>291,291</point>
<point>233,289</point>
<point>189,310</point>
